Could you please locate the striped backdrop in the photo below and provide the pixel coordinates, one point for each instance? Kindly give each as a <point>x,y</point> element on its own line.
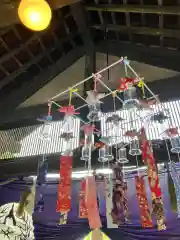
<point>154,130</point>
<point>26,141</point>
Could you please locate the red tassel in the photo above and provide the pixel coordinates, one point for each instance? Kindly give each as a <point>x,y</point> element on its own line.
<point>91,203</point>
<point>65,185</point>
<point>145,215</point>
<point>82,204</point>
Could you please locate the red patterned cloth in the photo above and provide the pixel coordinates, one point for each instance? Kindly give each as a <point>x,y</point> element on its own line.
<point>65,185</point>
<point>91,203</point>
<point>146,220</point>
<point>82,204</point>
<point>153,179</point>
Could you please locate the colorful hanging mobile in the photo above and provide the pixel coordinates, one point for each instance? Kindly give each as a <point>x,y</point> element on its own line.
<point>145,215</point>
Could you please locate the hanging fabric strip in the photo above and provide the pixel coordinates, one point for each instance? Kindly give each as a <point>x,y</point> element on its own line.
<point>109,205</point>
<point>153,179</point>
<point>120,208</point>
<point>65,185</point>
<point>176,180</point>
<point>82,204</point>
<point>91,203</point>
<point>42,171</point>
<point>145,215</point>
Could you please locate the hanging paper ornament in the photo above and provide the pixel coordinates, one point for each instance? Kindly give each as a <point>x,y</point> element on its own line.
<point>122,156</point>
<point>93,101</point>
<point>64,188</point>
<point>176,180</point>
<point>91,203</point>
<point>63,218</point>
<point>119,197</point>
<point>145,215</point>
<point>82,203</point>
<point>88,141</point>
<point>172,193</point>
<point>141,86</point>
<point>114,119</point>
<point>158,117</point>
<point>135,148</point>
<point>42,171</point>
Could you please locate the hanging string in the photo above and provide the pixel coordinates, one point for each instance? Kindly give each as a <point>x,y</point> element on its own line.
<point>178,157</point>
<point>125,69</point>
<point>49,108</point>
<point>137,164</point>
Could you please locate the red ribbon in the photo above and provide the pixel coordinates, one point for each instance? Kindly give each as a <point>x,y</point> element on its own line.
<point>145,215</point>
<point>65,185</point>
<point>82,204</point>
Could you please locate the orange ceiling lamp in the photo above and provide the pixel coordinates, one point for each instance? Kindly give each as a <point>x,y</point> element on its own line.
<point>35,14</point>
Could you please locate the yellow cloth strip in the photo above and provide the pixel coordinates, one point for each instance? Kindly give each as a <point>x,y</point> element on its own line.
<point>71,91</point>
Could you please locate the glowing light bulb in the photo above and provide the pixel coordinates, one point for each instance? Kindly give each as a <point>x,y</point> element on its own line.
<point>35,14</point>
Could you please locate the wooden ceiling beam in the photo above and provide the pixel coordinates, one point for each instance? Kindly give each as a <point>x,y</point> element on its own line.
<point>142,30</point>
<point>164,10</point>
<point>155,56</point>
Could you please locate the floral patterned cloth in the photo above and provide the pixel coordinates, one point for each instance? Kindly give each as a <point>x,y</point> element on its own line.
<point>13,227</point>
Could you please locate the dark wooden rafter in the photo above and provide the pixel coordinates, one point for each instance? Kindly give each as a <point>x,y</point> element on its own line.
<point>35,58</point>
<point>139,21</point>
<point>164,10</point>
<point>168,59</point>
<point>90,58</point>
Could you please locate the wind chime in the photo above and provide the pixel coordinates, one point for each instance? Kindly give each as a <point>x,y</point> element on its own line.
<point>65,185</point>
<point>42,170</point>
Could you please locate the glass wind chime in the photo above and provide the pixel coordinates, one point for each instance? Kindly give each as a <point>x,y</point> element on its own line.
<point>42,170</point>
<point>131,102</point>
<point>93,101</point>
<point>47,127</point>
<point>65,185</point>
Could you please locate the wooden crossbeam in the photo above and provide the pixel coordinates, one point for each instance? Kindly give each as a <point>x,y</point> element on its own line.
<point>165,10</point>
<point>142,30</point>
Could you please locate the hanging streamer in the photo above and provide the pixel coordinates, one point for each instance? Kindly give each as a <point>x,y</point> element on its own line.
<point>82,204</point>
<point>71,91</point>
<point>109,204</point>
<point>141,86</point>
<point>91,203</point>
<point>120,208</point>
<point>64,188</point>
<point>145,215</point>
<point>153,179</point>
<point>42,171</point>
<point>172,193</point>
<point>176,180</point>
